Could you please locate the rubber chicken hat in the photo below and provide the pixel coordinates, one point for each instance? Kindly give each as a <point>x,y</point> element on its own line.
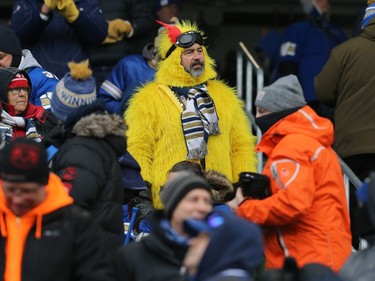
<point>170,71</point>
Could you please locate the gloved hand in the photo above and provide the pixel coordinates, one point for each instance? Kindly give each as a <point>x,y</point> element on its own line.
<point>117,29</point>
<point>144,201</point>
<point>68,9</point>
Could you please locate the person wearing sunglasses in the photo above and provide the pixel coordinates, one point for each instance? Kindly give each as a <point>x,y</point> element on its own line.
<point>187,113</point>
<point>19,117</point>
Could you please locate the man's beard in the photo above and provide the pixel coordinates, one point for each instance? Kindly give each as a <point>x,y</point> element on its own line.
<point>196,72</point>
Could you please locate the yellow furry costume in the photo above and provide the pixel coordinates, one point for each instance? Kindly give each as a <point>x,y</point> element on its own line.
<point>155,135</point>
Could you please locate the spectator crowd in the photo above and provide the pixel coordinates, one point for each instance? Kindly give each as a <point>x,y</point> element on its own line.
<point>125,156</point>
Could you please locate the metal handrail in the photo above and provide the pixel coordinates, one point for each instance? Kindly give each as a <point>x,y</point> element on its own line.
<point>251,64</point>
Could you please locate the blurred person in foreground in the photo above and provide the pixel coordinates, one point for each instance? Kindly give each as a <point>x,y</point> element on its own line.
<point>159,255</point>
<point>223,247</point>
<point>43,235</point>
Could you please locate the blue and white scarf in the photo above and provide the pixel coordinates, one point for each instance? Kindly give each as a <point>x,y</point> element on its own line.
<point>199,120</point>
<point>172,234</point>
<point>8,122</point>
<point>369,15</point>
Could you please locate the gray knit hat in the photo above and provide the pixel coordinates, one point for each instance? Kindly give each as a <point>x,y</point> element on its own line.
<point>284,93</point>
<point>176,189</point>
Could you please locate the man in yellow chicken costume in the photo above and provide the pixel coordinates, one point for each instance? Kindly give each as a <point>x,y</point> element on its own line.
<point>187,113</point>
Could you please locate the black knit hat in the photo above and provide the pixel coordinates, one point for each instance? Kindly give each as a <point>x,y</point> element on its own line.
<point>176,189</point>
<point>10,44</point>
<point>24,160</point>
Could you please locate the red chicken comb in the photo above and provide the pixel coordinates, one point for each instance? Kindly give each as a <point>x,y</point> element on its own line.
<point>173,31</point>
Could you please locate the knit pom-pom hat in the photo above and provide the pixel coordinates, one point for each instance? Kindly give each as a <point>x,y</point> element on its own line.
<point>75,89</point>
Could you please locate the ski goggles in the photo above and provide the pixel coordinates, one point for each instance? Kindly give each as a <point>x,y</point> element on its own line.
<point>186,40</point>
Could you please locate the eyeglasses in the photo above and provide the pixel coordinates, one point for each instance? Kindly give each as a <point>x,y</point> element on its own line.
<point>17,91</point>
<point>186,40</point>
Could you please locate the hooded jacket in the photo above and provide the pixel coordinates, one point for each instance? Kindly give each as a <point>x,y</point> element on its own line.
<point>44,120</point>
<point>43,82</point>
<point>53,241</point>
<point>346,82</point>
<point>87,162</point>
<point>306,217</point>
<point>155,136</point>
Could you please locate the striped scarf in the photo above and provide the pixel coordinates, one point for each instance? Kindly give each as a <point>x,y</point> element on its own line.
<point>7,123</point>
<point>369,15</point>
<point>199,120</point>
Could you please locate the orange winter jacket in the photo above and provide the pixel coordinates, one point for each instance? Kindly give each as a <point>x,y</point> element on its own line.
<point>306,216</point>
<point>15,229</point>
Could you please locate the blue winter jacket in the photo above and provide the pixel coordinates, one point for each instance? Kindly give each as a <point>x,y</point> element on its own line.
<point>55,42</point>
<point>130,72</point>
<point>43,82</point>
<point>309,45</point>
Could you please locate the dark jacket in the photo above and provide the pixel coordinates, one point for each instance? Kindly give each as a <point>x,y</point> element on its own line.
<point>154,258</point>
<point>56,42</point>
<point>347,82</point>
<point>235,245</point>
<point>87,164</point>
<point>64,246</point>
<point>138,13</point>
<point>305,48</point>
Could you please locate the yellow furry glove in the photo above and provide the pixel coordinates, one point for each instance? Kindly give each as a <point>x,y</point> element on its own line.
<point>68,9</point>
<point>117,29</point>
